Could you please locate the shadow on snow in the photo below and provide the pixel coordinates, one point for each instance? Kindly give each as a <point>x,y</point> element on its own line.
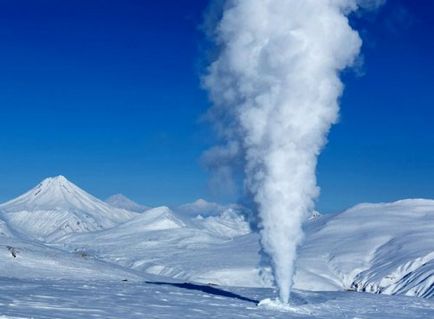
<point>206,289</point>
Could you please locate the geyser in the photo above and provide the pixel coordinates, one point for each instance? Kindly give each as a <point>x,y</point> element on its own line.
<point>275,88</point>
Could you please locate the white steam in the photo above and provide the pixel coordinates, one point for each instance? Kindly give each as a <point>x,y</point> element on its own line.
<point>275,88</point>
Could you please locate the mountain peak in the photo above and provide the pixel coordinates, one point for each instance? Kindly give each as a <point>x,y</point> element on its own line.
<point>55,187</point>
<point>51,193</point>
<point>56,206</point>
<point>58,179</point>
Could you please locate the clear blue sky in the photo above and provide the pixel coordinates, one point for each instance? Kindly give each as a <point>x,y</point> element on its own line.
<point>107,93</point>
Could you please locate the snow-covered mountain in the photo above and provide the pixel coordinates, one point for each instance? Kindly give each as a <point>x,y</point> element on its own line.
<point>381,248</point>
<point>229,223</point>
<point>157,241</point>
<point>121,201</point>
<point>57,207</point>
<point>21,258</point>
<point>155,219</point>
<point>385,248</point>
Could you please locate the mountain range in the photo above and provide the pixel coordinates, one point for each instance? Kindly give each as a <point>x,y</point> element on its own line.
<point>57,230</point>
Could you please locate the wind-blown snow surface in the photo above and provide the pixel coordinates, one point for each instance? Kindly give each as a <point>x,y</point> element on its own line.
<point>379,248</point>
<point>102,299</point>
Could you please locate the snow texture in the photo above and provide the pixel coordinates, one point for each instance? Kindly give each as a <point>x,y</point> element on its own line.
<point>168,299</point>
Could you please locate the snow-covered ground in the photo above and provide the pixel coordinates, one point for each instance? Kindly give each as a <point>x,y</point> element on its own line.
<point>166,299</point>
<point>59,245</point>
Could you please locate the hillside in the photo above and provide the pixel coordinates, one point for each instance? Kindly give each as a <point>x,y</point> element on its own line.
<point>380,248</point>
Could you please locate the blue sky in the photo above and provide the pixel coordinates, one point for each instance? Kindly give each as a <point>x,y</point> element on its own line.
<point>108,94</point>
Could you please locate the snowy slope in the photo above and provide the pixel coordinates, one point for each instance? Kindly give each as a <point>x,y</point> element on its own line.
<point>213,249</point>
<point>4,230</point>
<point>381,248</point>
<point>56,207</point>
<point>156,241</point>
<point>385,248</point>
<point>24,259</point>
<point>85,286</point>
<point>123,202</point>
<point>37,261</point>
<point>159,218</point>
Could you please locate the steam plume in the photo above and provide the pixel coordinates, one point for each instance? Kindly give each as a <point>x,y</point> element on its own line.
<point>275,88</point>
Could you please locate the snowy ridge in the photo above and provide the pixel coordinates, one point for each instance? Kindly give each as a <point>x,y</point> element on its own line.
<point>150,239</point>
<point>123,202</point>
<point>160,218</point>
<point>57,207</point>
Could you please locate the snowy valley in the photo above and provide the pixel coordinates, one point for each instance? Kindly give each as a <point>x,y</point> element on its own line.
<point>70,251</point>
